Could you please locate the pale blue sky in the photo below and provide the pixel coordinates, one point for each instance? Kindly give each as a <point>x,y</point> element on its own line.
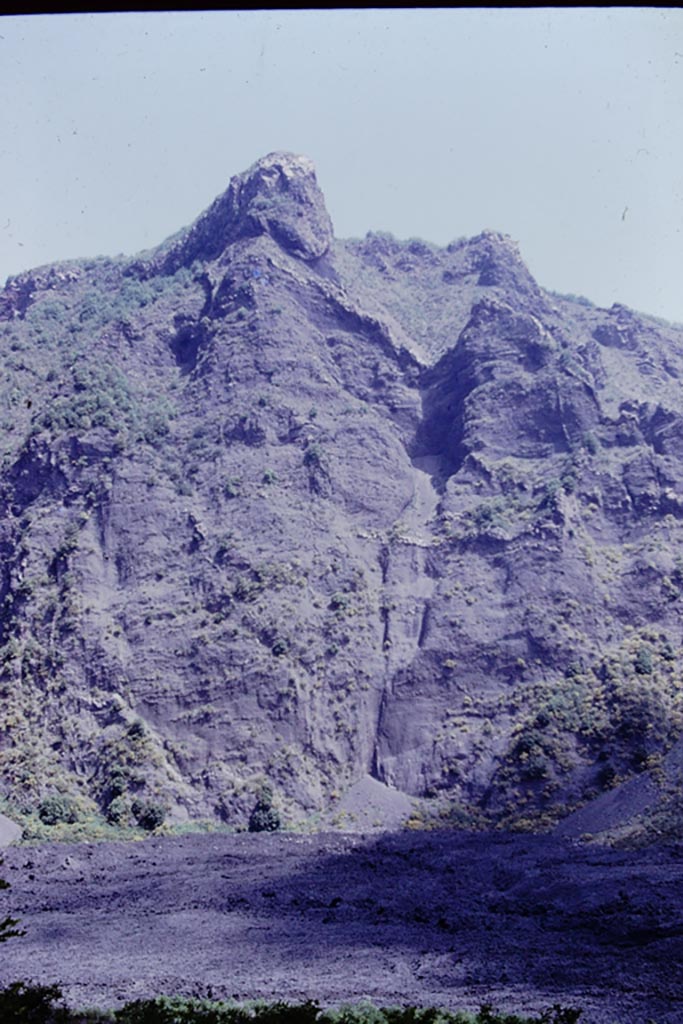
<point>562,128</point>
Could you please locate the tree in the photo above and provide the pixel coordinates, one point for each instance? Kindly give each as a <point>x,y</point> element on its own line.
<point>34,1004</point>
<point>8,926</point>
<point>148,816</point>
<point>264,817</point>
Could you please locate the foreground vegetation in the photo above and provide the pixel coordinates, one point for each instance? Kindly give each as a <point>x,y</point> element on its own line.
<point>38,1004</point>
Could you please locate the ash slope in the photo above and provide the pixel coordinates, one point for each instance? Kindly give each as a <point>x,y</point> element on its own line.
<point>456,920</point>
<point>311,509</point>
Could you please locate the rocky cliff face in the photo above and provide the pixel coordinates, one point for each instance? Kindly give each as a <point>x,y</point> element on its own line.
<point>279,506</point>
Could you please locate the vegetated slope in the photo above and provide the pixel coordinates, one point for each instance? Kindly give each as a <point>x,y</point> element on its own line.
<point>279,506</point>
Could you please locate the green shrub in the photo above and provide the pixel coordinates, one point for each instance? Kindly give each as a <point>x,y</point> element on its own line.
<point>178,1010</point>
<point>284,1013</point>
<point>117,780</point>
<point>591,443</point>
<point>668,652</point>
<point>100,397</point>
<point>148,815</point>
<point>58,808</point>
<point>155,427</point>
<point>118,811</point>
<point>247,589</point>
<point>643,662</point>
<point>264,817</point>
<point>489,515</point>
<point>265,795</point>
<point>530,755</point>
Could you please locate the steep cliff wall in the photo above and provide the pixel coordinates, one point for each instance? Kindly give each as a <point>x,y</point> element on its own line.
<point>279,506</point>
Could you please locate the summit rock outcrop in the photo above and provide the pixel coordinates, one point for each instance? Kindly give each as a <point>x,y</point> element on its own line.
<point>278,196</point>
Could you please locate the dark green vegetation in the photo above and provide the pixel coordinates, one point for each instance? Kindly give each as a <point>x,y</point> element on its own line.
<point>276,508</point>
<point>23,1003</point>
<point>264,817</point>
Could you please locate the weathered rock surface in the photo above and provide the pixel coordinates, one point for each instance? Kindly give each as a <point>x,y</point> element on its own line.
<point>310,510</point>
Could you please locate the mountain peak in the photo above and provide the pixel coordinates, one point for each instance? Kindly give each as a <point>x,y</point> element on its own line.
<point>277,196</point>
<point>282,162</point>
